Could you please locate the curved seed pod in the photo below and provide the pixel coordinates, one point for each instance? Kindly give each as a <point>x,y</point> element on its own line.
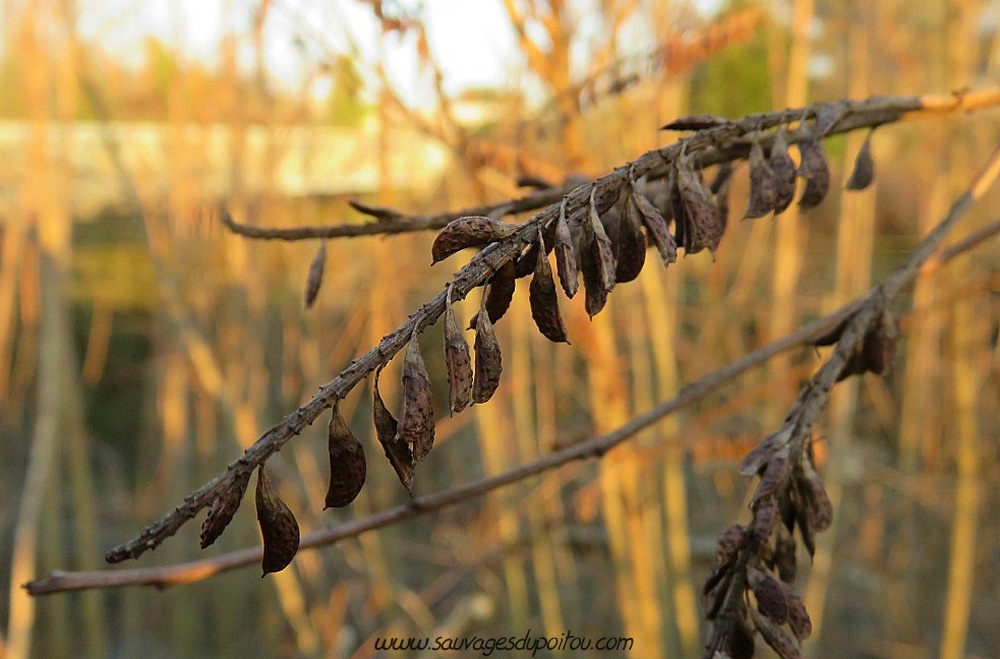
<point>798,618</point>
<point>819,510</point>
<point>315,278</point>
<point>784,555</point>
<point>397,450</point>
<point>223,509</point>
<point>277,526</point>
<point>456,356</point>
<point>469,231</point>
<point>765,516</point>
<point>682,223</point>
<point>500,291</point>
<point>524,264</point>
<point>704,226</point>
<point>741,640</point>
<point>729,544</point>
<point>488,359</point>
<point>772,601</point>
<point>762,453</point>
<point>656,225</point>
<point>864,167</point>
<point>566,255</point>
<point>416,419</point>
<point>543,302</point>
<point>630,254</point>
<point>603,250</point>
<point>777,470</point>
<point>814,169</point>
<point>784,645</point>
<point>783,168</point>
<point>347,462</point>
<point>763,188</point>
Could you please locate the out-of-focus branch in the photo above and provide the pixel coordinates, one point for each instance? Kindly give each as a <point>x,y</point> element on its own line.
<point>175,575</point>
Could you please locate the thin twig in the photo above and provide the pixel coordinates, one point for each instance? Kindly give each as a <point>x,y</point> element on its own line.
<point>182,573</point>
<point>701,149</point>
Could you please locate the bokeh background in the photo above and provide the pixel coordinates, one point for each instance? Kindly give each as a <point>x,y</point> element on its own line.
<point>142,346</point>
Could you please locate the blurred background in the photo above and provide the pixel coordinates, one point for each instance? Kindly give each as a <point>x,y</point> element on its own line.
<point>142,346</point>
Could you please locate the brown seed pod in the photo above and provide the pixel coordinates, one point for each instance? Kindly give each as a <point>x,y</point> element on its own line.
<point>762,453</point>
<point>656,225</point>
<point>783,168</point>
<point>798,618</point>
<point>630,254</point>
<point>566,255</point>
<point>398,451</point>
<point>720,190</point>
<point>543,302</point>
<point>777,470</point>
<point>223,509</point>
<point>772,601</point>
<point>729,544</point>
<point>704,225</point>
<point>784,555</point>
<point>277,526</point>
<point>469,231</point>
<point>347,462</point>
<point>814,497</point>
<point>416,419</point>
<point>763,185</point>
<point>597,260</point>
<point>814,169</point>
<point>784,645</point>
<point>765,517</point>
<point>315,278</point>
<point>741,642</point>
<point>489,363</point>
<point>500,291</point>
<point>864,167</point>
<point>456,356</point>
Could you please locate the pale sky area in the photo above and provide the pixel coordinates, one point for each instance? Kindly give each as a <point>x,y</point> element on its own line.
<point>471,39</point>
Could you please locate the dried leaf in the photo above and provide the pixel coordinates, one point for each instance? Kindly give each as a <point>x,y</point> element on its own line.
<point>347,462</point>
<point>223,509</point>
<point>566,255</point>
<point>704,224</point>
<point>398,451</point>
<point>543,302</point>
<point>763,185</point>
<point>469,231</point>
<point>456,356</point>
<point>277,526</point>
<point>864,167</point>
<point>416,419</point>
<point>656,226</point>
<point>489,363</point>
<point>315,278</point>
<point>630,254</point>
<point>814,169</point>
<point>783,168</point>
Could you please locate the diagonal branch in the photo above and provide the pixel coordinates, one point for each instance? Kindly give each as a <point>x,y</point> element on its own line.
<point>729,141</point>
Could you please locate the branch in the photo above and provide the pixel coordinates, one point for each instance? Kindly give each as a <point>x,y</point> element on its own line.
<point>712,146</point>
<point>596,447</point>
<point>855,114</point>
<point>789,487</point>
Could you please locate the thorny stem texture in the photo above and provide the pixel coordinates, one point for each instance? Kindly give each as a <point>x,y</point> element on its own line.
<point>726,142</point>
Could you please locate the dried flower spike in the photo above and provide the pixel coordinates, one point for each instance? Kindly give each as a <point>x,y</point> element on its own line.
<point>469,231</point>
<point>277,526</point>
<point>458,361</point>
<point>864,167</point>
<point>543,302</point>
<point>399,453</point>
<point>488,358</point>
<point>348,467</point>
<point>223,509</point>
<point>416,419</point>
<point>315,278</point>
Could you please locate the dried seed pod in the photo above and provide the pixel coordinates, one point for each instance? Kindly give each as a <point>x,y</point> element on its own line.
<point>566,254</point>
<point>489,363</point>
<point>784,645</point>
<point>524,264</point>
<point>763,185</point>
<point>630,254</point>
<point>729,544</point>
<point>879,345</point>
<point>656,225</point>
<point>762,453</point>
<point>347,462</point>
<point>456,356</point>
<point>783,168</point>
<point>720,190</point>
<point>777,470</point>
<point>772,601</point>
<point>277,526</point>
<point>223,509</point>
<point>741,643</point>
<point>815,498</point>
<point>396,450</point>
<point>798,618</point>
<point>543,302</point>
<point>814,169</point>
<point>416,419</point>
<point>784,555</point>
<point>469,231</point>
<point>597,260</point>
<point>704,225</point>
<point>765,517</point>
<point>315,278</point>
<point>500,291</point>
<point>864,167</point>
<point>682,223</point>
